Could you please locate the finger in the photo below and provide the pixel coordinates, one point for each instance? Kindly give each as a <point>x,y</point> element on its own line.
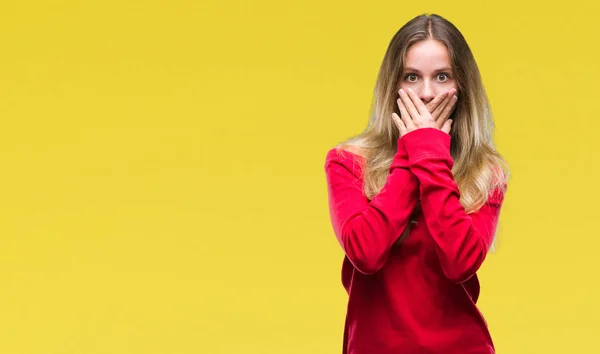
<point>406,118</point>
<point>448,109</point>
<point>408,104</point>
<point>437,113</point>
<point>397,120</point>
<point>403,130</point>
<point>398,100</point>
<point>399,124</point>
<point>444,100</point>
<point>436,102</point>
<point>416,101</point>
<point>447,126</point>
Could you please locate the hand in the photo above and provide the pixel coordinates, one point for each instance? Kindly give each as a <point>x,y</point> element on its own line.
<point>415,114</point>
<point>441,107</point>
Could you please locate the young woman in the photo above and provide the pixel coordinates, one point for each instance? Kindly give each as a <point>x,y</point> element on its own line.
<point>414,200</point>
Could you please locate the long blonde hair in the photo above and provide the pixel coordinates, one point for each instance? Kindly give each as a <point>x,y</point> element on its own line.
<point>478,167</point>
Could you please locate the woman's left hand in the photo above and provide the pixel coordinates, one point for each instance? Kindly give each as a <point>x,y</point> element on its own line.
<point>415,115</point>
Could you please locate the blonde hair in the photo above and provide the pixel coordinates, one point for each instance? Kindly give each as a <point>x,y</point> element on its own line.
<point>478,168</point>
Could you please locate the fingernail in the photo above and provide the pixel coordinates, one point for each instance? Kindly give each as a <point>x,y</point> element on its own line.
<point>401,91</point>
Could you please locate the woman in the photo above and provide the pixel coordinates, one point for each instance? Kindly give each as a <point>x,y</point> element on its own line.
<point>414,200</point>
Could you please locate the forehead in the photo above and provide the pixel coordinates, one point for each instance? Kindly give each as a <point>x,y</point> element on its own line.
<point>428,54</point>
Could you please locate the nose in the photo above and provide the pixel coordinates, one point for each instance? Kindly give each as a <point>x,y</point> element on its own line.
<point>426,93</point>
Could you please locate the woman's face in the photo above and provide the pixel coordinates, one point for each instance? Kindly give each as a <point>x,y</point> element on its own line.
<point>427,70</point>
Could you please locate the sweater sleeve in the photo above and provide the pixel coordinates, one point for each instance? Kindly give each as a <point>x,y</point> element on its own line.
<point>367,229</point>
<point>462,240</point>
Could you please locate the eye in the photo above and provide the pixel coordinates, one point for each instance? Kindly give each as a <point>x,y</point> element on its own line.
<point>443,77</point>
<point>411,77</point>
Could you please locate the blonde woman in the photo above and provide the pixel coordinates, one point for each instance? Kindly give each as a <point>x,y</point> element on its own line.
<point>415,199</point>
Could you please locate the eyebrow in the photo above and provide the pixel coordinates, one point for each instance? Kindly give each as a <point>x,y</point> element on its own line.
<point>418,72</point>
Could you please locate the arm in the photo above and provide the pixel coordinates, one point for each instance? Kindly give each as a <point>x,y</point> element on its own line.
<point>462,240</point>
<point>365,229</point>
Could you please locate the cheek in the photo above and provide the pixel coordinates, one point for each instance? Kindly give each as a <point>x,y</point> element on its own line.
<point>445,86</point>
<point>405,85</point>
<point>452,85</point>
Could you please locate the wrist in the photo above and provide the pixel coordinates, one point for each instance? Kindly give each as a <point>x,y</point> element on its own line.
<point>401,156</point>
<point>426,142</point>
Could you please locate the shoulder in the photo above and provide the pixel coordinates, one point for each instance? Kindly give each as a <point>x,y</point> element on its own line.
<point>348,157</point>
<point>496,196</point>
<point>499,186</point>
<point>500,174</point>
<point>346,153</point>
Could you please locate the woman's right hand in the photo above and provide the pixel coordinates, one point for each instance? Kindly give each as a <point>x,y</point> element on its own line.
<point>440,107</point>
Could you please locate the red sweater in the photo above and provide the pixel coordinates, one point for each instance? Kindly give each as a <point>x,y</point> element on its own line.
<point>419,297</point>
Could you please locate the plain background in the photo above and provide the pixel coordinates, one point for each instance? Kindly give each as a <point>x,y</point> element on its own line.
<point>162,185</point>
